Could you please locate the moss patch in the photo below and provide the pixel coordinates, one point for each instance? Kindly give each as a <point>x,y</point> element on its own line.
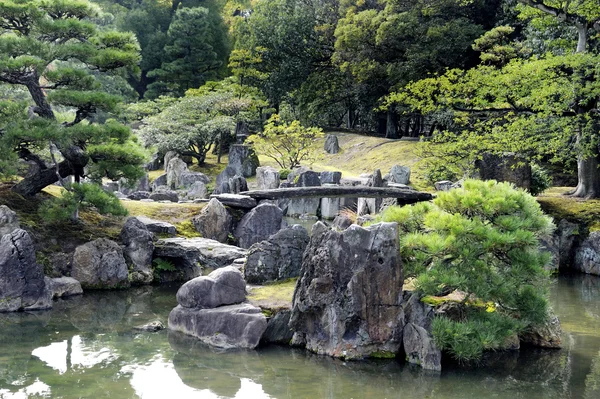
<point>174,213</point>
<point>154,174</point>
<point>577,210</point>
<point>274,296</point>
<point>186,229</point>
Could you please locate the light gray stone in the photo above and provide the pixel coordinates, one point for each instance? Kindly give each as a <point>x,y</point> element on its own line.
<point>587,255</point>
<point>186,179</point>
<point>138,249</point>
<point>189,253</point>
<point>127,188</point>
<point>420,348</point>
<point>267,178</point>
<point>330,177</point>
<point>259,224</point>
<point>9,221</point>
<point>214,221</point>
<point>443,185</point>
<point>332,145</point>
<point>176,168</point>
<point>330,207</point>
<point>224,286</point>
<point>153,326</point>
<point>164,195</point>
<point>400,174</point>
<point>237,184</point>
<point>158,226</point>
<point>243,160</point>
<point>65,286</point>
<point>100,264</point>
<point>197,191</point>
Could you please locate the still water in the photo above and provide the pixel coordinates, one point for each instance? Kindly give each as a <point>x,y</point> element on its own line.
<point>86,348</point>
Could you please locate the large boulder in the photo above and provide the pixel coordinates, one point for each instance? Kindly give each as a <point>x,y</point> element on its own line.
<point>508,167</point>
<point>332,145</point>
<point>243,160</point>
<point>100,264</point>
<point>187,179</point>
<point>158,226</point>
<point>224,286</point>
<point>190,255</point>
<point>138,249</point>
<point>546,335</point>
<point>214,221</point>
<point>267,178</point>
<point>222,181</point>
<point>231,326</point>
<point>164,195</point>
<point>8,220</point>
<point>159,182</point>
<point>65,286</point>
<point>237,184</point>
<point>259,224</point>
<point>587,255</point>
<point>22,282</point>
<point>348,300</point>
<point>175,169</point>
<point>127,187</point>
<point>197,191</point>
<point>278,258</point>
<point>278,330</point>
<point>417,336</point>
<point>399,174</point>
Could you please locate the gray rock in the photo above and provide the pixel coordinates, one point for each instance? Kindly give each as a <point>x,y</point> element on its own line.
<point>168,157</point>
<point>399,174</point>
<point>197,191</point>
<point>235,200</point>
<point>367,206</point>
<point>175,169</point>
<point>329,207</point>
<point>420,348</point>
<point>293,175</point>
<point>569,236</point>
<point>443,185</point>
<point>222,179</point>
<point>278,258</point>
<point>9,221</point>
<point>164,195</point>
<point>587,255</point>
<point>139,247</point>
<point>348,300</point>
<point>158,226</point>
<point>547,335</point>
<point>191,252</point>
<point>508,167</point>
<point>65,286</point>
<point>342,222</point>
<point>126,187</point>
<point>258,225</point>
<point>22,282</point>
<point>155,163</point>
<point>302,206</point>
<point>153,326</point>
<point>332,145</point>
<point>550,244</point>
<point>267,178</point>
<point>224,286</point>
<point>243,160</point>
<point>237,184</point>
<point>159,182</point>
<point>111,186</point>
<point>139,195</point>
<point>187,179</point>
<point>214,221</point>
<point>278,330</point>
<point>308,179</point>
<point>330,177</point>
<point>233,326</point>
<point>100,264</point>
<point>223,188</point>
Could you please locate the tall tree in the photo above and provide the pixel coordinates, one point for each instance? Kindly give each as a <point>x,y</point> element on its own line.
<point>55,51</point>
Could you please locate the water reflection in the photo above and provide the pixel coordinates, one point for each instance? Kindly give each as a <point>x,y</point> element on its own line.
<point>86,347</point>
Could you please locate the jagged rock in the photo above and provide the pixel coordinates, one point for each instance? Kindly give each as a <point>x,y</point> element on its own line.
<point>100,264</point>
<point>443,185</point>
<point>187,179</point>
<point>153,326</point>
<point>155,163</point>
<point>243,160</point>
<point>160,181</point>
<point>332,145</point>
<point>222,181</point>
<point>348,300</point>
<point>158,226</point>
<point>175,169</point>
<point>223,188</point>
<point>235,200</point>
<point>224,286</point>
<point>237,184</point>
<point>139,195</point>
<point>22,282</point>
<point>127,188</point>
<point>507,167</point>
<point>164,195</point>
<point>342,222</point>
<point>370,205</point>
<point>214,221</point>
<point>330,177</point>
<point>550,244</point>
<point>420,348</point>
<point>139,247</point>
<point>547,335</point>
<point>9,221</point>
<point>259,224</point>
<point>267,178</point>
<point>168,157</point>
<point>65,286</point>
<point>277,258</point>
<point>197,191</point>
<point>188,253</point>
<point>278,330</point>
<point>569,236</point>
<point>587,255</point>
<point>308,179</point>
<point>399,174</point>
<point>232,326</point>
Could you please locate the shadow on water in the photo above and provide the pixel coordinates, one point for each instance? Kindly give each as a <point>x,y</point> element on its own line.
<point>86,347</point>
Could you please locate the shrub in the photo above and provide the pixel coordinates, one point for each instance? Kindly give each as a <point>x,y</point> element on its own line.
<point>481,239</point>
<point>540,179</point>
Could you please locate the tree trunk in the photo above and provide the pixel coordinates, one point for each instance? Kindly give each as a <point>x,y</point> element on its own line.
<point>582,34</point>
<point>42,107</point>
<point>390,125</point>
<point>35,183</point>
<point>588,178</point>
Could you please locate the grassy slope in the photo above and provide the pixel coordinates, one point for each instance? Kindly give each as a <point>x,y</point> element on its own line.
<point>578,210</point>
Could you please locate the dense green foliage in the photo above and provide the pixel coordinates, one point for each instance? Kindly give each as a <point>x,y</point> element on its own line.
<point>481,240</point>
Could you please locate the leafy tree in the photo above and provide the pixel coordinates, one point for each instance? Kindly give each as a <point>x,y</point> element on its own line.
<point>193,54</point>
<point>288,144</point>
<point>482,240</point>
<point>55,51</point>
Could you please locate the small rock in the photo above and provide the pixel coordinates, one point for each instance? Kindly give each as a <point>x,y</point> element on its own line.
<point>158,226</point>
<point>8,220</point>
<point>164,195</point>
<point>65,286</point>
<point>214,221</point>
<point>443,185</point>
<point>332,145</point>
<point>153,326</point>
<point>139,195</point>
<point>400,174</point>
<point>330,177</point>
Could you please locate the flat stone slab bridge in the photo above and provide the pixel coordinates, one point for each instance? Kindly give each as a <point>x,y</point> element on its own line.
<point>248,199</point>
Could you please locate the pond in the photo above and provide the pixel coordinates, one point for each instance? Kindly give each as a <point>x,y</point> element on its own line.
<point>86,348</point>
